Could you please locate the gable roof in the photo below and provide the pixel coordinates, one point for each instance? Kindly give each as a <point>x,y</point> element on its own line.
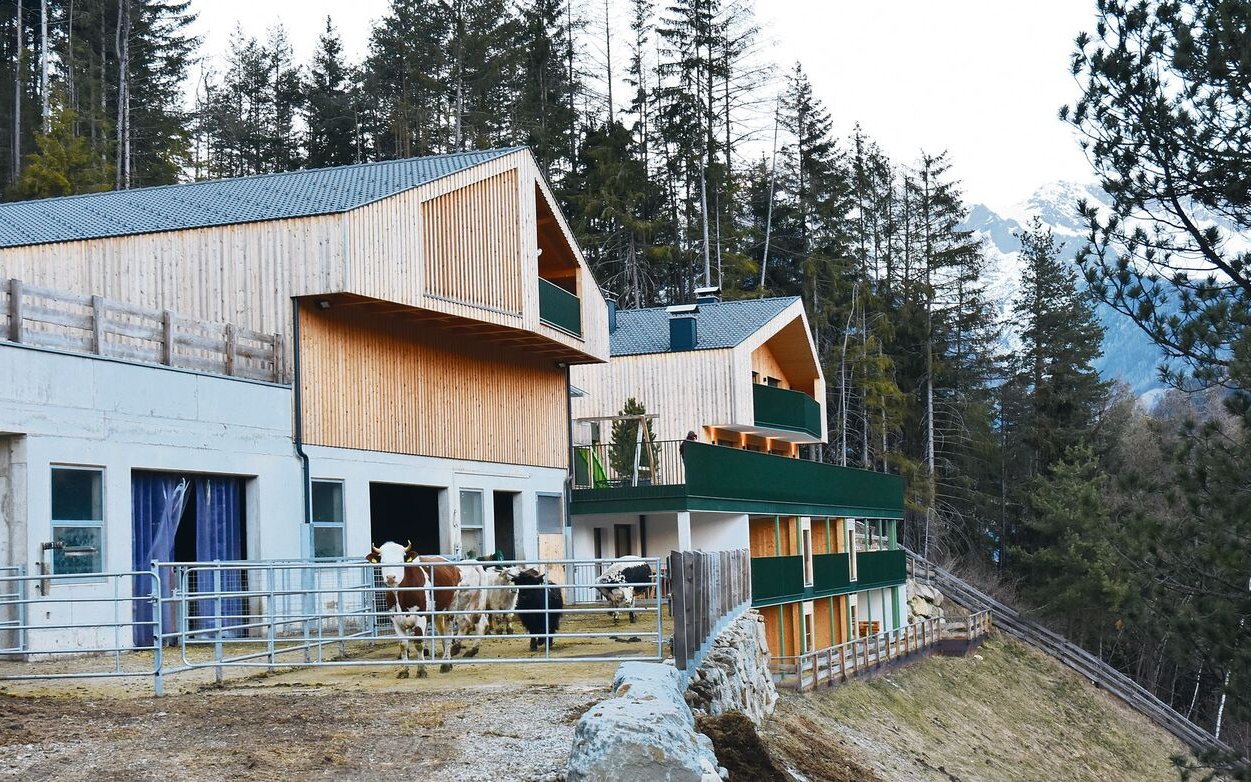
<point>718,325</point>
<point>225,201</point>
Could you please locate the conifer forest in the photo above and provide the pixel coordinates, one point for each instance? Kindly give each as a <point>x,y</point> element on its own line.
<point>686,155</point>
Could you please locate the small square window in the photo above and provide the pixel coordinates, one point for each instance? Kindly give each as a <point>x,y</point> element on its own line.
<point>82,550</point>
<point>327,541</point>
<point>77,494</point>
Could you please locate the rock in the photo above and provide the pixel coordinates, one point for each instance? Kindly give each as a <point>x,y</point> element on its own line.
<point>734,676</point>
<point>924,602</point>
<point>644,731</point>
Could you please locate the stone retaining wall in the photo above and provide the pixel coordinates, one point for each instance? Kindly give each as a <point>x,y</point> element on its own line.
<point>735,674</point>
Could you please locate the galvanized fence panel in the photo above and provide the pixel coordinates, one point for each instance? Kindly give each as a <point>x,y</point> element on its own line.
<point>293,613</point>
<point>709,589</point>
<point>89,618</point>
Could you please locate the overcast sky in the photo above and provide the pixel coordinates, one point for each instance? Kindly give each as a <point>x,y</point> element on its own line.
<point>980,78</point>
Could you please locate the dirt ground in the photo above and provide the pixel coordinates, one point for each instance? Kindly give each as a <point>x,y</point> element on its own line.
<point>481,721</point>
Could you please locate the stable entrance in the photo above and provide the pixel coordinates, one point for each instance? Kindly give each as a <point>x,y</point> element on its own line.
<point>505,523</point>
<point>188,518</point>
<point>399,512</point>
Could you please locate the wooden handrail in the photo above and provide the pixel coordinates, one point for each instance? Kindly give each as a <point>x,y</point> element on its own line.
<point>43,317</point>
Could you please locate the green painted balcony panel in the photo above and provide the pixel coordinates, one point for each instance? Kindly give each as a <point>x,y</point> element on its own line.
<point>717,478</point>
<point>831,574</point>
<point>560,308</point>
<point>776,580</point>
<point>781,408</point>
<point>880,568</point>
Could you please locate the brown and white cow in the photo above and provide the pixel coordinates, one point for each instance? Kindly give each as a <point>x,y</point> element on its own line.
<point>417,608</point>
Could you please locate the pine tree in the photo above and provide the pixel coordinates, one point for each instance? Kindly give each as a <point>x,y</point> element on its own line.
<point>63,163</point>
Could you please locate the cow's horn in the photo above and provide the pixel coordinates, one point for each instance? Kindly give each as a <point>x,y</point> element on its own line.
<point>408,549</point>
<point>377,550</point>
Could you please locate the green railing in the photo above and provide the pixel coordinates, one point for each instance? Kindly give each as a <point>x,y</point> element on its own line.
<point>781,408</point>
<point>723,479</point>
<point>831,574</point>
<point>776,579</point>
<point>880,568</point>
<point>560,308</point>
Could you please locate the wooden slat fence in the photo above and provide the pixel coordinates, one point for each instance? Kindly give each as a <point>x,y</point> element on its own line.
<point>1011,621</point>
<point>708,590</point>
<point>837,664</point>
<point>49,318</point>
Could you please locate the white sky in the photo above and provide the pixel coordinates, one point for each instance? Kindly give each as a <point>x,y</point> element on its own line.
<point>980,78</point>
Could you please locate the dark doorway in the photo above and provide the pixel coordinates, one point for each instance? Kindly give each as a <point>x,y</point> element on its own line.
<point>505,527</point>
<point>400,513</point>
<point>624,535</point>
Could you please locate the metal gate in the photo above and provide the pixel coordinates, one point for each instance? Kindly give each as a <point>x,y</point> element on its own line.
<point>276,614</point>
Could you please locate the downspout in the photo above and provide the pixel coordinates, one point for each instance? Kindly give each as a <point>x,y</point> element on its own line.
<point>572,466</point>
<point>298,433</point>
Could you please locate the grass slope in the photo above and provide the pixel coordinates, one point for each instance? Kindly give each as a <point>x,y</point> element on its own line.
<point>1013,714</point>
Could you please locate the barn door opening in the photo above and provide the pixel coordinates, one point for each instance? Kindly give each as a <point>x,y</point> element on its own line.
<point>189,517</point>
<point>505,523</point>
<point>399,513</point>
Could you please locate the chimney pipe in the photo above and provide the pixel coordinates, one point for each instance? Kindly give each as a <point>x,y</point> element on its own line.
<point>683,334</point>
<point>707,295</point>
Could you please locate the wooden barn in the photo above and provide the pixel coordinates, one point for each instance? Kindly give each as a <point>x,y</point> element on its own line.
<point>732,393</point>
<point>291,365</point>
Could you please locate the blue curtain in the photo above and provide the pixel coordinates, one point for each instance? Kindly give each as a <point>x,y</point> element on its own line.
<point>157,505</point>
<point>219,537</point>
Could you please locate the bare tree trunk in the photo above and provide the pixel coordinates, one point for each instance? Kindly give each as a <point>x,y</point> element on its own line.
<point>703,208</point>
<point>17,97</point>
<point>45,107</point>
<point>773,179</point>
<point>608,46</point>
<point>122,46</point>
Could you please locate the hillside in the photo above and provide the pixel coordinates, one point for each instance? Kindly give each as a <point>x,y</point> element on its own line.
<point>1013,714</point>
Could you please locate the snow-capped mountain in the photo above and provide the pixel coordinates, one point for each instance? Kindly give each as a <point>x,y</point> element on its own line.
<point>1128,355</point>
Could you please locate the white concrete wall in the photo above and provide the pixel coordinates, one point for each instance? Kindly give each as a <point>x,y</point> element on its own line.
<point>67,409</point>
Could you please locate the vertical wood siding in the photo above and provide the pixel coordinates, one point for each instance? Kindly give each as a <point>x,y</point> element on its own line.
<point>404,388</point>
<point>471,244</point>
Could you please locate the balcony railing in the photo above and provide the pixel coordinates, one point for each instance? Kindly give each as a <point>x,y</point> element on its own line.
<point>781,579</point>
<point>560,308</point>
<point>612,466</point>
<point>689,475</point>
<point>781,408</point>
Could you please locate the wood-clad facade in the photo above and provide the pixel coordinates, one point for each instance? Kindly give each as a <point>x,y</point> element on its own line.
<point>383,384</point>
<point>465,246</point>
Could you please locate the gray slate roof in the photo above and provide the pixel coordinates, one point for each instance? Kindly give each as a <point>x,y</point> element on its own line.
<point>224,201</point>
<point>721,325</point>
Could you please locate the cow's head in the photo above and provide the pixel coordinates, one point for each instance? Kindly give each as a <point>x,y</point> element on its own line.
<point>392,557</point>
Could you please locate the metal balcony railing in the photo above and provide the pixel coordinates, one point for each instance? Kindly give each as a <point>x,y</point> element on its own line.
<point>560,308</point>
<point>781,408</point>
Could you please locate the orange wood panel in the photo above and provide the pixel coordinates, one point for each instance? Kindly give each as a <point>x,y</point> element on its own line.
<point>376,384</point>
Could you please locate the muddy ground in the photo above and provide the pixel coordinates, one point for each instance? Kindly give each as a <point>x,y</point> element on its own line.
<point>481,721</point>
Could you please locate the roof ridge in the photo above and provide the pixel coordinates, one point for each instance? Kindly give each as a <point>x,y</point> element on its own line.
<point>715,303</point>
<point>499,152</point>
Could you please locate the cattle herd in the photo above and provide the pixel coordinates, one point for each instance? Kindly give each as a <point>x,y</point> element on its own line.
<point>432,599</point>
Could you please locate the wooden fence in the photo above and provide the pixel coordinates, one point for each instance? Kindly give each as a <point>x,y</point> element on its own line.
<point>708,590</point>
<point>1070,654</point>
<point>836,664</point>
<point>48,318</point>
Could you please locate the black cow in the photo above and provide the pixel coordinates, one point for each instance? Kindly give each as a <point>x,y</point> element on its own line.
<point>531,605</point>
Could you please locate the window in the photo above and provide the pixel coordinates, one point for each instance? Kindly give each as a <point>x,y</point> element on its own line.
<point>77,520</point>
<point>810,627</point>
<point>327,519</point>
<point>549,514</point>
<point>850,533</point>
<point>807,544</point>
<point>471,535</point>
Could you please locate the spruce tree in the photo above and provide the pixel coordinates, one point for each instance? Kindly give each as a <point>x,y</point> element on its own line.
<point>328,107</point>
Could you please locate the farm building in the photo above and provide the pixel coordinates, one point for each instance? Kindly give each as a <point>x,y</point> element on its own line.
<point>289,366</point>
<point>730,394</point>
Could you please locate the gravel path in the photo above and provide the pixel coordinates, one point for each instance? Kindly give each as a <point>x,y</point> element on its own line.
<point>305,732</point>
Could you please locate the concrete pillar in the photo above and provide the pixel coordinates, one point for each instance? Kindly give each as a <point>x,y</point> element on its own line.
<point>684,530</point>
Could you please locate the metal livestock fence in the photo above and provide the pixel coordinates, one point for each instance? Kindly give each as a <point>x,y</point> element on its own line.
<point>213,617</point>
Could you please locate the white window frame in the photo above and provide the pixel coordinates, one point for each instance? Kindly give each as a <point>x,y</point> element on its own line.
<point>54,524</point>
<point>480,526</point>
<point>340,525</point>
<point>849,532</point>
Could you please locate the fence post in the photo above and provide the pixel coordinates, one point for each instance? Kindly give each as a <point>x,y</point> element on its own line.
<point>98,307</point>
<point>158,633</point>
<point>217,620</point>
<point>273,617</point>
<point>167,338</point>
<point>15,310</point>
<point>280,359</point>
<point>230,349</point>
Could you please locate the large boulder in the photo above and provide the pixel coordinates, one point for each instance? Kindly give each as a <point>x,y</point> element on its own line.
<point>924,602</point>
<point>645,731</point>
